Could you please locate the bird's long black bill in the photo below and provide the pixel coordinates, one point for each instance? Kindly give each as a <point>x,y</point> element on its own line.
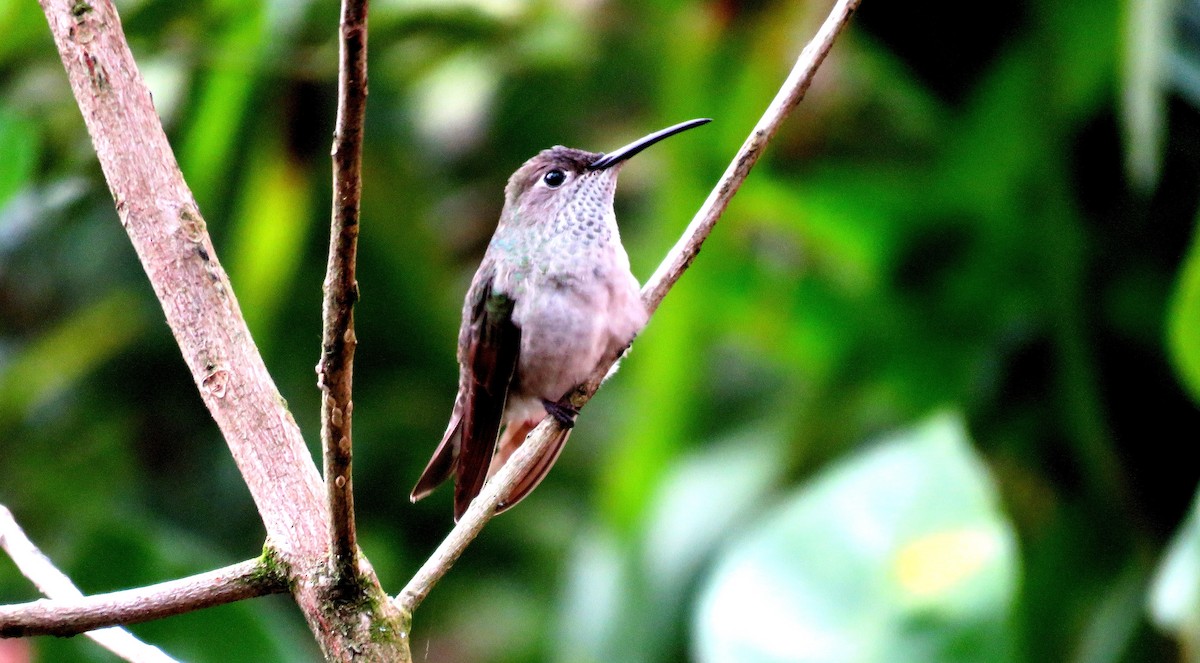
<point>610,160</point>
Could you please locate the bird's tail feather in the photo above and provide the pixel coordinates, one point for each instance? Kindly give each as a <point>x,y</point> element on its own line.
<point>512,438</point>
<point>444,458</point>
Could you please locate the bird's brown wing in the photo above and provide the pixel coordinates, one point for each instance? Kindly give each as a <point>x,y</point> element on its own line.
<point>492,347</point>
<point>489,345</point>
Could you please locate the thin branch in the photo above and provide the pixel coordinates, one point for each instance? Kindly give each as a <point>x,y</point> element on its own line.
<point>55,584</point>
<point>335,371</point>
<point>789,95</point>
<point>81,614</point>
<point>483,508</point>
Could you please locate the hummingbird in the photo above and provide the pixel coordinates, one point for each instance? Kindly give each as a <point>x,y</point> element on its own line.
<point>552,297</point>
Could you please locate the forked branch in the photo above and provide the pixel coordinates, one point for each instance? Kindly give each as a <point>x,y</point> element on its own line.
<point>483,508</point>
<point>158,212</point>
<point>168,232</point>
<point>166,229</point>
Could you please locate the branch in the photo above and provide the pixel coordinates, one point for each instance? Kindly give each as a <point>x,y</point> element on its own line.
<point>65,616</point>
<point>55,584</point>
<point>483,508</point>
<point>680,257</point>
<point>70,616</point>
<point>336,369</point>
<point>167,231</point>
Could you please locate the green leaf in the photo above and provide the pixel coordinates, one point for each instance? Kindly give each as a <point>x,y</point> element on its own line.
<point>224,101</point>
<point>1183,317</point>
<point>19,147</point>
<point>900,554</point>
<point>273,220</point>
<point>219,105</point>
<point>24,30</point>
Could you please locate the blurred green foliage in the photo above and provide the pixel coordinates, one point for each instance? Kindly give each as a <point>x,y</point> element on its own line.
<point>919,398</point>
<point>844,571</point>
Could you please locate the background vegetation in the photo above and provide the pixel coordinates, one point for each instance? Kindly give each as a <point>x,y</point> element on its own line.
<point>926,395</point>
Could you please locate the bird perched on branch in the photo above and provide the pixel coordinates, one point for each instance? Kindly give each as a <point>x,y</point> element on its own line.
<point>552,297</point>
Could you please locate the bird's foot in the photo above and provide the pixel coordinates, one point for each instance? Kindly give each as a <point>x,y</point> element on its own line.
<point>562,411</point>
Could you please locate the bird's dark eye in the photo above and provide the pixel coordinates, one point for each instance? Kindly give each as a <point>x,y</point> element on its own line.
<point>554,178</point>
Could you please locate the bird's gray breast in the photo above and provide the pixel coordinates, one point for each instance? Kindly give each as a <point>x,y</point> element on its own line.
<point>563,317</point>
<point>576,300</point>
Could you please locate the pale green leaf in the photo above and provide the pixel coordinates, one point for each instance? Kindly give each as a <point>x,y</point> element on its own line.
<point>1148,26</point>
<point>900,554</point>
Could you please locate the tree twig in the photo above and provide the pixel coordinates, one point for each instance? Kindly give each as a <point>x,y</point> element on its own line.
<point>336,368</point>
<point>55,584</point>
<point>483,508</point>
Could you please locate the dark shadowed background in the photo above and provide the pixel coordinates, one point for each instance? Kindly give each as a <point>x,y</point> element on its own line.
<point>927,394</point>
